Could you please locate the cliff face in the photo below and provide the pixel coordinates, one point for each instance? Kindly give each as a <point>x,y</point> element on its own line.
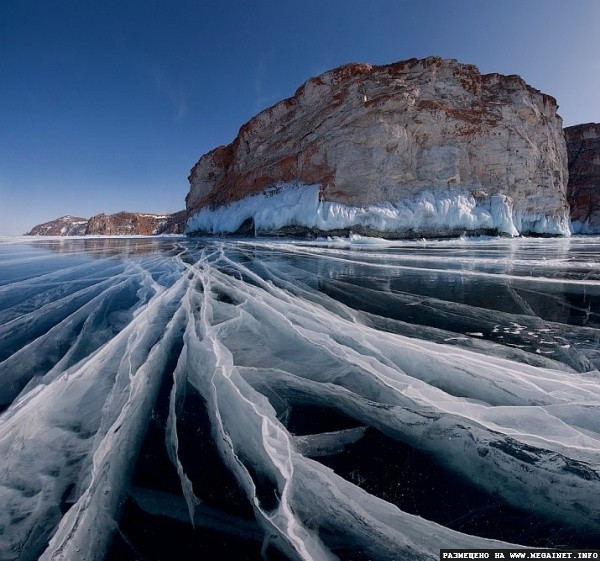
<point>134,223</point>
<point>119,224</point>
<point>583,147</point>
<point>444,145</point>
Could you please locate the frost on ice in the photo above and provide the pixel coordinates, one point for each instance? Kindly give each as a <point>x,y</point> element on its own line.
<point>281,395</point>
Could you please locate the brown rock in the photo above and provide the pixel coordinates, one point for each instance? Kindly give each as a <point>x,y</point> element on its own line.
<point>583,148</point>
<point>174,224</point>
<point>130,223</point>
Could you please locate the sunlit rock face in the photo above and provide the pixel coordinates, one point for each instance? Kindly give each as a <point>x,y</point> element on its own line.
<point>583,146</point>
<point>371,136</point>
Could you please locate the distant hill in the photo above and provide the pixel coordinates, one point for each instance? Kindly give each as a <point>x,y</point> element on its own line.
<point>63,226</point>
<point>119,224</point>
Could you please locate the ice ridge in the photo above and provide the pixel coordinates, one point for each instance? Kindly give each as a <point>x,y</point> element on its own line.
<point>428,213</point>
<point>256,329</point>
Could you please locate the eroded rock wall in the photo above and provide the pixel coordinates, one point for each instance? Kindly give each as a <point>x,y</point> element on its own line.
<point>369,135</point>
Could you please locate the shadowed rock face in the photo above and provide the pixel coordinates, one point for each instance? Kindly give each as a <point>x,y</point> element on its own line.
<point>175,223</point>
<point>369,134</point>
<point>119,224</point>
<point>583,146</point>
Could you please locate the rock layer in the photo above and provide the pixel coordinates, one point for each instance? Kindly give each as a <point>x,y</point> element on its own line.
<point>371,135</point>
<point>583,147</point>
<point>119,224</point>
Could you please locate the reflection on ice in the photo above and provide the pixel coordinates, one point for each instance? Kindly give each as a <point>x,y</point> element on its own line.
<point>333,399</point>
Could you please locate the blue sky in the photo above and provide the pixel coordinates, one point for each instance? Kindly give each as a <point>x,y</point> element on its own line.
<point>105,106</point>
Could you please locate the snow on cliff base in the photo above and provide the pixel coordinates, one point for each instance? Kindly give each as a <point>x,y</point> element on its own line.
<point>427,213</point>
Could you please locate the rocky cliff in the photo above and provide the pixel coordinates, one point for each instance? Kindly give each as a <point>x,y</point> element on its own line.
<point>134,223</point>
<point>119,224</point>
<point>583,192</point>
<point>423,147</point>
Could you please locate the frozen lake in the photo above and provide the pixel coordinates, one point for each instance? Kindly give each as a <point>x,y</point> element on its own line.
<point>165,398</point>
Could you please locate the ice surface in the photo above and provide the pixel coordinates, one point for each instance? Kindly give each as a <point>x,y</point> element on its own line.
<point>431,344</point>
<point>427,212</point>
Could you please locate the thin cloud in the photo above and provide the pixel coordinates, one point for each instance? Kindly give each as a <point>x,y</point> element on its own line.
<point>175,94</point>
<point>263,97</point>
